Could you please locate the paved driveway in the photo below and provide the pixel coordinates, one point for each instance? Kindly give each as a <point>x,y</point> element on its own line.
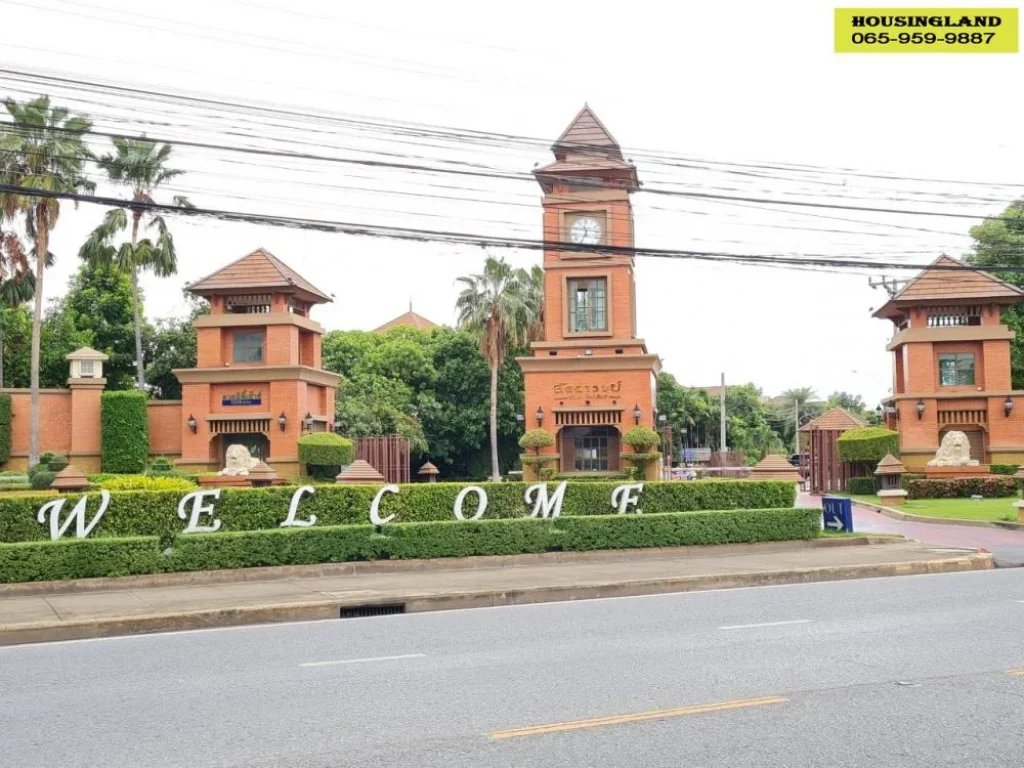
<point>1006,545</point>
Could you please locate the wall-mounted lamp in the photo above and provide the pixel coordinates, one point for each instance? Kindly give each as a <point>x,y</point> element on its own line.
<point>662,418</point>
<point>637,413</point>
<point>308,422</point>
<point>920,408</point>
<point>540,415</point>
<point>282,421</point>
<point>520,419</point>
<point>192,423</point>
<point>1007,406</point>
<point>890,410</point>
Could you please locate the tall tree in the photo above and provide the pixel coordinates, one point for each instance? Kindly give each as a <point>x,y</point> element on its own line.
<point>141,165</point>
<point>798,397</point>
<point>999,242</point>
<point>14,291</point>
<point>46,155</point>
<point>495,308</point>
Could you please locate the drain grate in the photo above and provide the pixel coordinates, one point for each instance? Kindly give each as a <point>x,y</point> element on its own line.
<point>374,609</point>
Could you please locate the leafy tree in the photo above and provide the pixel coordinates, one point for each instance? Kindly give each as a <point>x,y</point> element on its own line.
<point>685,408</point>
<point>14,292</point>
<point>748,427</point>
<point>60,336</point>
<point>495,307</point>
<point>101,303</point>
<point>853,404</point>
<point>999,243</point>
<point>139,164</point>
<point>44,153</point>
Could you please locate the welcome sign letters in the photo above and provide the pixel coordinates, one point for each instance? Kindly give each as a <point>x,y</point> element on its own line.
<point>198,508</point>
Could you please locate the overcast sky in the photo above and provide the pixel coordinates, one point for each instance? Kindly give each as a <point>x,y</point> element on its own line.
<point>689,90</point>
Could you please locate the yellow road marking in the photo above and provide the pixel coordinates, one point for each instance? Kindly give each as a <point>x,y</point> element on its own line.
<point>636,717</point>
<point>1015,672</point>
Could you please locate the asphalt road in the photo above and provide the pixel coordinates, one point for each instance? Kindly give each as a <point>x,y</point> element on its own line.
<point>909,671</point>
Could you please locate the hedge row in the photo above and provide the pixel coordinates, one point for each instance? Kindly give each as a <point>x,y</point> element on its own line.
<point>964,487</point>
<point>861,486</point>
<point>154,513</point>
<point>869,444</point>
<point>68,559</point>
<point>1003,469</point>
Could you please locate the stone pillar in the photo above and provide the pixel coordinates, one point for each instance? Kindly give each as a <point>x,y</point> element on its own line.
<point>86,430</point>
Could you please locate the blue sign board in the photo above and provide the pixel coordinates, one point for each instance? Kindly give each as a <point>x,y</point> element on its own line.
<point>837,514</point>
<point>242,398</point>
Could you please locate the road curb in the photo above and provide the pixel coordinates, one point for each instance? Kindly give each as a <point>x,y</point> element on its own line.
<point>897,515</point>
<point>416,603</point>
<point>281,572</point>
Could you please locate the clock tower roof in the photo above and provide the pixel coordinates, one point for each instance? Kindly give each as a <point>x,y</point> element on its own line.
<point>587,154</point>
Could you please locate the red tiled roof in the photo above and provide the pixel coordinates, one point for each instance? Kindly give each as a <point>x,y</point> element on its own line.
<point>834,418</point>
<point>953,280</point>
<point>890,465</point>
<point>409,319</point>
<point>775,467</point>
<point>258,270</point>
<point>360,471</point>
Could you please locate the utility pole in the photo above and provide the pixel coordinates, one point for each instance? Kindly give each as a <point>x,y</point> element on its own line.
<point>796,425</point>
<point>721,401</point>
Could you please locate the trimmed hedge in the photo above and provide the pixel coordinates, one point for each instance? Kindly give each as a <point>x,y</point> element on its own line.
<point>154,513</point>
<point>963,487</point>
<point>41,479</point>
<point>148,483</point>
<point>79,559</point>
<point>5,427</point>
<point>67,559</point>
<point>1003,469</point>
<point>125,431</point>
<point>324,454</point>
<point>868,444</point>
<point>861,486</point>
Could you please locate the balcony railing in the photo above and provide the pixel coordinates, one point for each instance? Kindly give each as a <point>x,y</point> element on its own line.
<point>977,416</point>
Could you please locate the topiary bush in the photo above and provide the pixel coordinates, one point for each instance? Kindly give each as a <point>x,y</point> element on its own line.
<point>861,486</point>
<point>640,462</point>
<point>535,439</point>
<point>869,444</point>
<point>41,479</point>
<point>124,425</point>
<point>962,488</point>
<point>641,439</point>
<point>161,465</point>
<point>5,427</point>
<point>324,454</point>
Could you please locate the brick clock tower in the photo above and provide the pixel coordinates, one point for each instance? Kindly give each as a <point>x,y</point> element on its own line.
<point>590,379</point>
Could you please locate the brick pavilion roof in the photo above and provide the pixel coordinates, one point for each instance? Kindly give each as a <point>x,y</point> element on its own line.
<point>890,465</point>
<point>360,471</point>
<point>835,419</point>
<point>259,270</point>
<point>410,320</point>
<point>775,467</point>
<point>948,279</point>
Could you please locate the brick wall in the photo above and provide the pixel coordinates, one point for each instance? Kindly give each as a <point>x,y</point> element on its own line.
<point>164,417</point>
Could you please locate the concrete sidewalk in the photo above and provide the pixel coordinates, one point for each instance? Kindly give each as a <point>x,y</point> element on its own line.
<point>47,612</point>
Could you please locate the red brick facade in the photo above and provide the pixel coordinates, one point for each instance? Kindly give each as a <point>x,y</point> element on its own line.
<point>951,365</point>
<point>590,373</point>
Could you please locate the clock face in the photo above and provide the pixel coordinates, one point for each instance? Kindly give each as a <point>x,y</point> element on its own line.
<point>586,231</point>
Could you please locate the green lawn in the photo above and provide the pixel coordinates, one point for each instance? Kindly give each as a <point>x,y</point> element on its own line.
<point>965,509</point>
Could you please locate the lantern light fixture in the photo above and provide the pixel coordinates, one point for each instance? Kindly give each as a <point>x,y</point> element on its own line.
<point>308,421</point>
<point>192,423</point>
<point>637,413</point>
<point>920,408</point>
<point>1007,405</point>
<point>540,415</point>
<point>282,421</point>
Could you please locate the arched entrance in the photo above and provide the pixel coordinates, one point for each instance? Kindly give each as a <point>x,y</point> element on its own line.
<point>257,443</point>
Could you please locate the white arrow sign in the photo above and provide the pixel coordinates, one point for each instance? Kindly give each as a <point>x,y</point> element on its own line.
<point>834,523</point>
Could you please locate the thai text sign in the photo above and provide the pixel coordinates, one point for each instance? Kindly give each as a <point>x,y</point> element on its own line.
<point>592,390</point>
<point>246,397</point>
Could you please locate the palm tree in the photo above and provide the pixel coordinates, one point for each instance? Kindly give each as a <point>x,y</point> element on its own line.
<point>798,397</point>
<point>138,163</point>
<point>494,307</point>
<point>534,300</point>
<point>44,154</point>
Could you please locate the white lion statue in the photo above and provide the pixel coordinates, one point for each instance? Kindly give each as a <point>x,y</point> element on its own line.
<point>238,460</point>
<point>955,451</point>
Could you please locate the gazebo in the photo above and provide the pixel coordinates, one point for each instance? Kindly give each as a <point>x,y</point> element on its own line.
<point>828,474</point>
